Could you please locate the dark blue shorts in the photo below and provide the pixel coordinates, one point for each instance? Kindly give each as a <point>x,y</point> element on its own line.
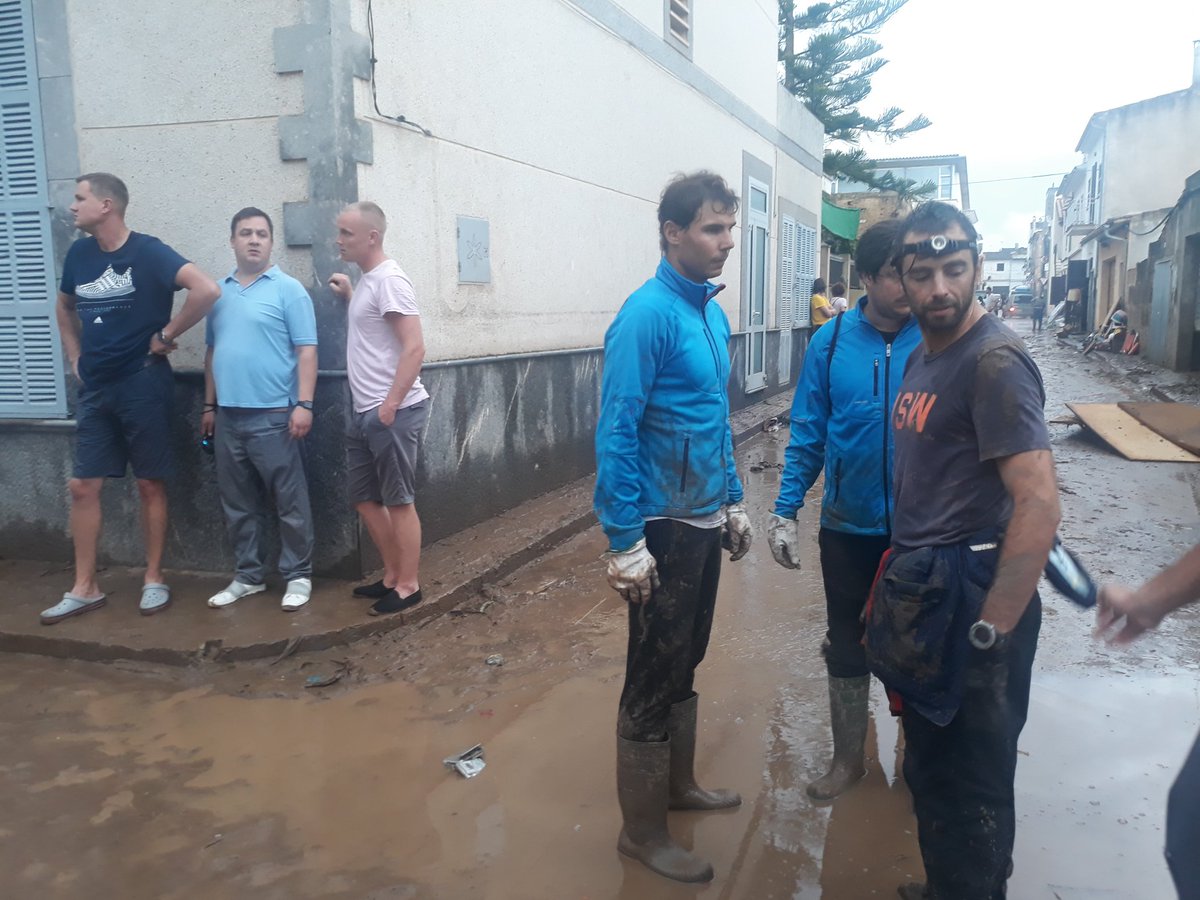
<point>126,422</point>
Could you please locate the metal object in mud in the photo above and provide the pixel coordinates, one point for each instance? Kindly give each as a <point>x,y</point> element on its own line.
<point>468,764</point>
<point>495,660</point>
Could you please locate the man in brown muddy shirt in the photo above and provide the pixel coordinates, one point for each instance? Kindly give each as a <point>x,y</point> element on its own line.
<point>976,509</point>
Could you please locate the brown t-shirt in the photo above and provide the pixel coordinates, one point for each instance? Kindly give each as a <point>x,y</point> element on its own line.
<point>958,412</point>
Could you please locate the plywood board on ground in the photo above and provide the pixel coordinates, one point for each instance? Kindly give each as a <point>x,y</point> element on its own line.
<point>1127,435</point>
<point>1179,423</point>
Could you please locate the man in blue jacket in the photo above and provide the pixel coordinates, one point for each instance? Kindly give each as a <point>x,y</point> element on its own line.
<point>668,498</point>
<point>851,374</point>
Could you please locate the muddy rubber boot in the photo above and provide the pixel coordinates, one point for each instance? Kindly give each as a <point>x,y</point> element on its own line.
<point>848,715</point>
<point>643,773</point>
<point>685,793</point>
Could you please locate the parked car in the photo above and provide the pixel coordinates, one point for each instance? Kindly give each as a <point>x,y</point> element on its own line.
<point>1019,302</point>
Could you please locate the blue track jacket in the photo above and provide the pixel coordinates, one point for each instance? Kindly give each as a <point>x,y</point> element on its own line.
<point>844,426</point>
<point>664,446</point>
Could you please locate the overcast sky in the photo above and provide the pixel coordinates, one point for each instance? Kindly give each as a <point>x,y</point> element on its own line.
<point>1010,84</point>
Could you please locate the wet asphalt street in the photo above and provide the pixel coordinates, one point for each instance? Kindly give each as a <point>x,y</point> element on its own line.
<point>232,781</point>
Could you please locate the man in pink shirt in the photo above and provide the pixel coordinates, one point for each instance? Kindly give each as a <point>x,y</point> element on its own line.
<point>384,351</point>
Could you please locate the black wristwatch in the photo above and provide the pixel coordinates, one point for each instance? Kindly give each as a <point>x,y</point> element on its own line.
<point>305,404</point>
<point>162,337</point>
<point>983,636</point>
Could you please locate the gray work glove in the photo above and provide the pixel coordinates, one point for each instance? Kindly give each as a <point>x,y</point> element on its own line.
<point>736,538</point>
<point>783,536</point>
<point>632,573</point>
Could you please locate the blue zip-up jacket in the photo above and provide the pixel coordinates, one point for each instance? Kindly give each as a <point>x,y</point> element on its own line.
<point>664,445</point>
<point>844,426</point>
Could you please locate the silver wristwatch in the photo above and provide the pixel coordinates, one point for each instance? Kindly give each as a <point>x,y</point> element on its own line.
<point>982,635</point>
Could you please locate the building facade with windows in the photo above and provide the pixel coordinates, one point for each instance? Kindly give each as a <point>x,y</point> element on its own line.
<point>1113,207</point>
<point>1005,269</point>
<point>948,175</point>
<point>518,154</point>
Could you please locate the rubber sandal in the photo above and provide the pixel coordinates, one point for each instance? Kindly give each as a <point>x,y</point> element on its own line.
<point>70,605</point>
<point>394,603</point>
<point>297,593</point>
<point>156,597</point>
<point>235,592</point>
<point>374,591</point>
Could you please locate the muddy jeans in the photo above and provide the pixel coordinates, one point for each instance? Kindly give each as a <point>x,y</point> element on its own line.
<point>669,634</point>
<point>848,564</point>
<point>961,775</point>
<point>1183,828</point>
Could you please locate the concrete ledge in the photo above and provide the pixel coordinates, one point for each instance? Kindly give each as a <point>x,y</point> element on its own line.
<point>256,628</point>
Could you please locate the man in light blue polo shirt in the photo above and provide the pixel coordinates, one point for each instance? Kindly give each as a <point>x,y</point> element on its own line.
<point>260,373</point>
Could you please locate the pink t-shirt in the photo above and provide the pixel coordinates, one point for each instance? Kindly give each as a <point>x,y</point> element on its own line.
<point>372,348</point>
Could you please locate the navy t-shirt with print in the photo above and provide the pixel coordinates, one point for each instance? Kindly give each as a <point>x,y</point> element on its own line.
<point>122,298</point>
<point>958,412</point>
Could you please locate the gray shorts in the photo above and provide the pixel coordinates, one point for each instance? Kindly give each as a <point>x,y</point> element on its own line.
<point>381,463</point>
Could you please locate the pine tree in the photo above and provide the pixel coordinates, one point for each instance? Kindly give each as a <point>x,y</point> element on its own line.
<point>831,73</point>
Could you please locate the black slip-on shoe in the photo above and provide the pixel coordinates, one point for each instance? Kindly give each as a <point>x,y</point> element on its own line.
<point>392,602</point>
<point>375,590</point>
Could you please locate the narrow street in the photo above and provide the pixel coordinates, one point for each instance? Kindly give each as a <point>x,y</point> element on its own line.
<point>231,781</point>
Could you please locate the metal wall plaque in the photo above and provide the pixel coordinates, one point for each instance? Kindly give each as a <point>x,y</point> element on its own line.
<point>474,252</point>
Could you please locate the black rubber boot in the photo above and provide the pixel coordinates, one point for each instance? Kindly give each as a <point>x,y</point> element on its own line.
<point>914,890</point>
<point>643,773</point>
<point>848,716</point>
<point>685,793</point>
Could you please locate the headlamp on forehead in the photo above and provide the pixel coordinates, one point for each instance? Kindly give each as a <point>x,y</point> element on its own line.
<point>938,245</point>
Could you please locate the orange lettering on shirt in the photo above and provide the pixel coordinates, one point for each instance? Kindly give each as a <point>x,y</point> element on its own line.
<point>921,406</point>
<point>900,411</point>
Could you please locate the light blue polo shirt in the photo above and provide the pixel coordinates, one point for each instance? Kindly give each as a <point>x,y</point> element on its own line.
<point>253,331</point>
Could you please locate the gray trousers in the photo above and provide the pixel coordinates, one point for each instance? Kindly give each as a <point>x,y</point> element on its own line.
<point>257,459</point>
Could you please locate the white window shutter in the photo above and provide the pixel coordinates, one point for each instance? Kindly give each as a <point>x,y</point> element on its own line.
<point>806,273</point>
<point>31,372</point>
<point>787,272</point>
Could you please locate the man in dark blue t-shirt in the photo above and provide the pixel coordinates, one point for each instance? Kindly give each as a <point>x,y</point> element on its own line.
<point>114,314</point>
<point>955,615</point>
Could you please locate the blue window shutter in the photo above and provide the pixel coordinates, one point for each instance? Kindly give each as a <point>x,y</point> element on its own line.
<point>31,370</point>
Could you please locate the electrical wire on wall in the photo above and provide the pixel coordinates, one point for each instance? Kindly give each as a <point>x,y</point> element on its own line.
<point>399,120</point>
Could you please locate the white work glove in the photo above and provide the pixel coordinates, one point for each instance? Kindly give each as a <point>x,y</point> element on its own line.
<point>736,538</point>
<point>632,573</point>
<point>783,535</point>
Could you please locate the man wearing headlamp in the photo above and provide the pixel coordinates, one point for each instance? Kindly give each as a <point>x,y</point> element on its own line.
<point>953,620</point>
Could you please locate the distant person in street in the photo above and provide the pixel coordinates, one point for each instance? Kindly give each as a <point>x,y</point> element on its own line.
<point>384,352</point>
<point>1037,313</point>
<point>1124,614</point>
<point>114,314</point>
<point>668,497</point>
<point>840,423</point>
<point>995,303</point>
<point>838,301</point>
<point>820,309</point>
<point>260,373</point>
<point>953,621</point>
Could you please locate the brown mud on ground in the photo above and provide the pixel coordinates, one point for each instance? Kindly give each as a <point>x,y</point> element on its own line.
<point>235,780</point>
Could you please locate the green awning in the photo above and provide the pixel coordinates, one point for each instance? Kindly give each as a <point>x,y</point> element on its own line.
<point>839,221</point>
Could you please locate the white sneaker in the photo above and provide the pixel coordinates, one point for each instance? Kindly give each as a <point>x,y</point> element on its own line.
<point>297,593</point>
<point>235,592</point>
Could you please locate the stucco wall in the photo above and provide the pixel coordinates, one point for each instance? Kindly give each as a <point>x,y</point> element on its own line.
<point>737,42</point>
<point>1149,151</point>
<point>569,183</point>
<point>187,117</point>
